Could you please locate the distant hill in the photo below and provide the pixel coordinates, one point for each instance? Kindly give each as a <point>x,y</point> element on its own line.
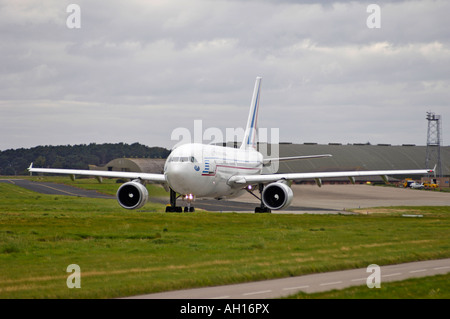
<point>15,162</point>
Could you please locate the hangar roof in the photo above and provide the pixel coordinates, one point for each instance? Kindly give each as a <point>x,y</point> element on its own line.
<point>357,157</point>
<point>146,165</point>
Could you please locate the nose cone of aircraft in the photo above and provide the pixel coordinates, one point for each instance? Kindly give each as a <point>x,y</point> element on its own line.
<point>179,177</point>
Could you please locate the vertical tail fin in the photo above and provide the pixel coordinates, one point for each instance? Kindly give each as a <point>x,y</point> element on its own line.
<point>250,140</point>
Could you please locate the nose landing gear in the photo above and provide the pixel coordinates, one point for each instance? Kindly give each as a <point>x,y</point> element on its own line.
<point>173,208</point>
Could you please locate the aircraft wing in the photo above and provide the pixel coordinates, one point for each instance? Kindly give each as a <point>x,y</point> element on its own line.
<point>269,178</point>
<point>156,178</point>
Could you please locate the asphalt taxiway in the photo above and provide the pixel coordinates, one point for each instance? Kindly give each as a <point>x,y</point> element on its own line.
<point>333,199</point>
<point>328,199</point>
<point>277,288</point>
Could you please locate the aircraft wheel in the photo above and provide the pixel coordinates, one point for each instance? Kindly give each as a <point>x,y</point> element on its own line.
<point>177,209</point>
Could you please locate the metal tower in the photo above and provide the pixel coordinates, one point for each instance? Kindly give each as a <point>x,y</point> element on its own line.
<point>434,139</point>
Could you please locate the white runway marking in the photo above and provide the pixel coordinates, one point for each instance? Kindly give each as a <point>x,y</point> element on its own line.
<point>439,268</point>
<point>419,270</point>
<point>294,288</point>
<point>331,283</point>
<point>392,275</point>
<point>256,292</point>
<point>359,279</point>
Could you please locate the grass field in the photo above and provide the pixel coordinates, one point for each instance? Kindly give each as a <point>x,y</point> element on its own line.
<point>123,253</point>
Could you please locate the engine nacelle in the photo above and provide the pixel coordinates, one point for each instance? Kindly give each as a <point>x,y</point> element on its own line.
<point>277,195</point>
<point>132,195</point>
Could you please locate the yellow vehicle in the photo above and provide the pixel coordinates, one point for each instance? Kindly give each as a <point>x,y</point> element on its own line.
<point>407,182</point>
<point>430,185</point>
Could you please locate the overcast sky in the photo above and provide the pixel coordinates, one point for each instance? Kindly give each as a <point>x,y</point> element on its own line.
<point>136,70</point>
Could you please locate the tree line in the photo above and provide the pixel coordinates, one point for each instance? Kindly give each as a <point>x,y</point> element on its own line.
<point>16,162</point>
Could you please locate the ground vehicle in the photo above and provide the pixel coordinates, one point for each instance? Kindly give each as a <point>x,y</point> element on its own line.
<point>430,185</point>
<point>416,185</point>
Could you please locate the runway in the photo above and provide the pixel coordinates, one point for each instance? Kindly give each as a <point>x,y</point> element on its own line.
<point>277,288</point>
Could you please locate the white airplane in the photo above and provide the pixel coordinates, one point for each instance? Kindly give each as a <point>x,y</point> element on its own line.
<point>209,171</point>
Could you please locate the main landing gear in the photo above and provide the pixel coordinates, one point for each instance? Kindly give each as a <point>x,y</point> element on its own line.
<point>173,208</point>
<point>262,208</point>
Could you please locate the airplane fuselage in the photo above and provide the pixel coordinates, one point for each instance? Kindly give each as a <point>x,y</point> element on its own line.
<point>204,170</point>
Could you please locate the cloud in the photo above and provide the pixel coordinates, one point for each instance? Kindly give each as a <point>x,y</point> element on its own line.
<point>145,68</point>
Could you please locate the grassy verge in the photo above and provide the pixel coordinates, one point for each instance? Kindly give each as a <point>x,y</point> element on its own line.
<point>123,253</point>
<point>435,287</point>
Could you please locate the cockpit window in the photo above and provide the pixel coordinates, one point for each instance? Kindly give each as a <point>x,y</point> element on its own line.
<point>183,159</point>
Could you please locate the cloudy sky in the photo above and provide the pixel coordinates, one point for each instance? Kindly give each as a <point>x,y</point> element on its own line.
<point>136,70</point>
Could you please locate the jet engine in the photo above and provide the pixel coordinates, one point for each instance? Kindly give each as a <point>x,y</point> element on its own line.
<point>132,195</point>
<point>277,195</point>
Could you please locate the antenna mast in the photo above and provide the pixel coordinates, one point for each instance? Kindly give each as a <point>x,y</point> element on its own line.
<point>434,141</point>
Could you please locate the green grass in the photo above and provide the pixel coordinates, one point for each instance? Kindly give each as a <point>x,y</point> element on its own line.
<point>435,287</point>
<point>123,253</point>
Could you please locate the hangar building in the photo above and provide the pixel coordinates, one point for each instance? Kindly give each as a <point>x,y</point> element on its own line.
<point>147,165</point>
<point>358,157</point>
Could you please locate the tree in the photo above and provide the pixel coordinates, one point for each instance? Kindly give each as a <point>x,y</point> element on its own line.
<point>77,156</point>
<point>40,161</point>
